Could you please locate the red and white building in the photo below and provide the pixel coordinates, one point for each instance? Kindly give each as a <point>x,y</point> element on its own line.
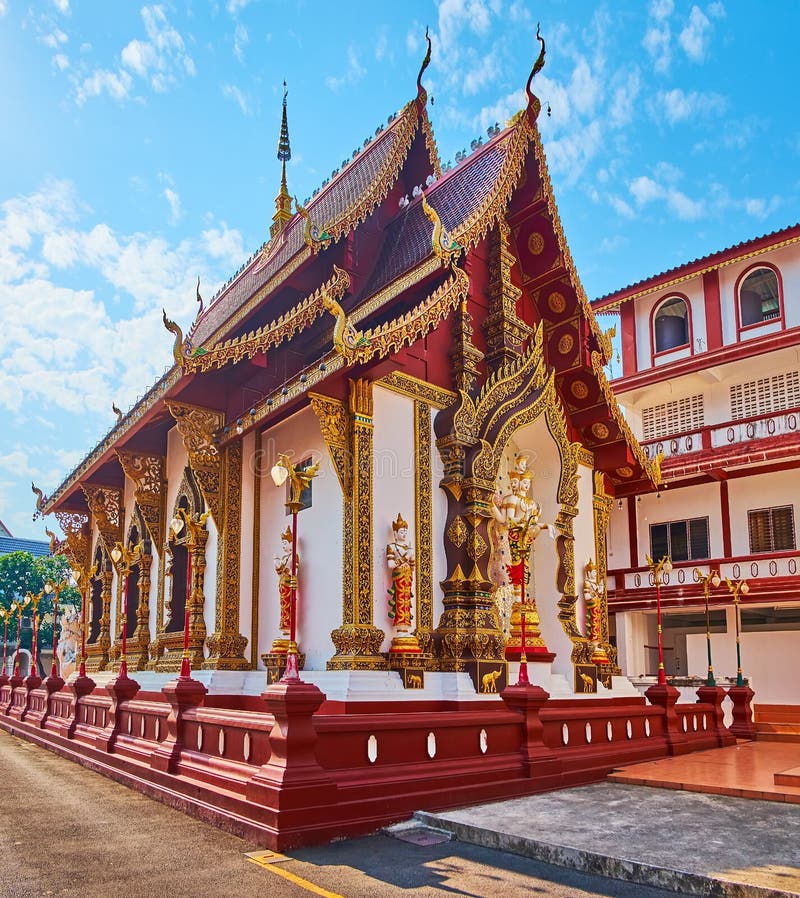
<point>711,380</point>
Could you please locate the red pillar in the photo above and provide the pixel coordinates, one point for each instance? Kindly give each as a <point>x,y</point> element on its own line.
<point>539,762</point>
<point>181,693</point>
<point>711,298</point>
<point>714,696</point>
<point>666,697</point>
<point>742,698</point>
<point>627,313</point>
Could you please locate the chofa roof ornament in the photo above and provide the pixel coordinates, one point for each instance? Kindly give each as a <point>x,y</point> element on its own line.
<point>422,95</point>
<point>534,104</point>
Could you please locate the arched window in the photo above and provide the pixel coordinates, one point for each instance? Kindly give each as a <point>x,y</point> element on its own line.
<point>671,324</point>
<point>759,299</point>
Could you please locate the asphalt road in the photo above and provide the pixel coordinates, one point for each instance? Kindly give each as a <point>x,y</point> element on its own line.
<point>67,831</point>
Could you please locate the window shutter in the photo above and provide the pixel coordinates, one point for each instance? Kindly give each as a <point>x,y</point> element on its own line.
<point>698,538</point>
<point>783,528</point>
<point>679,543</point>
<point>758,524</point>
<point>659,544</point>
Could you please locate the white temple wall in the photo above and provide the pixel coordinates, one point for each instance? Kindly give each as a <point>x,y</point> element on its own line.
<point>745,494</point>
<point>439,518</point>
<point>319,604</point>
<point>394,479</point>
<point>585,544</point>
<point>246,542</point>
<point>675,504</point>
<point>619,548</point>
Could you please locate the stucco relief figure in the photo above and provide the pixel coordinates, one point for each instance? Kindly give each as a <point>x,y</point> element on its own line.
<point>518,516</point>
<point>401,562</point>
<point>283,568</point>
<point>68,642</point>
<point>593,593</point>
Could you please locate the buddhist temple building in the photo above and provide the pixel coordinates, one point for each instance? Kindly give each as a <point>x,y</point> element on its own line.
<point>386,451</point>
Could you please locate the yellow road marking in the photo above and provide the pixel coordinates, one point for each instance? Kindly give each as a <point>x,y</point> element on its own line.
<point>267,862</point>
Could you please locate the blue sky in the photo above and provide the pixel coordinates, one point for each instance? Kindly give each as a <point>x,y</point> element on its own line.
<point>139,141</point>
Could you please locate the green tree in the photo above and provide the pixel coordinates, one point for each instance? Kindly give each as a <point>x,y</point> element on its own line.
<point>21,573</point>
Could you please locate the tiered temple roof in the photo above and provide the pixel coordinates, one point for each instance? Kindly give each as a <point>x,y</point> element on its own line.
<point>267,332</point>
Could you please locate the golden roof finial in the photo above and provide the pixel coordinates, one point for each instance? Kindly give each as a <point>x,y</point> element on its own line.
<point>283,202</point>
<point>534,104</point>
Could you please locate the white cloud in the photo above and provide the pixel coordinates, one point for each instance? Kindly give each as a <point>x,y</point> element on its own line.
<point>241,38</point>
<point>661,9</point>
<point>236,6</point>
<point>174,201</point>
<point>161,60</point>
<point>3,7</point>
<point>676,106</point>
<point>694,36</point>
<point>232,92</point>
<point>61,61</point>
<point>116,84</point>
<point>623,99</point>
<point>55,39</point>
<point>58,354</point>
<point>646,190</point>
<point>621,207</point>
<point>382,44</point>
<point>761,208</point>
<point>62,6</point>
<point>502,110</point>
<point>657,43</point>
<point>355,71</point>
<point>484,73</point>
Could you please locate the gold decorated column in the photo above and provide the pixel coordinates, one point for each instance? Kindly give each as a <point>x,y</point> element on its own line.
<point>358,641</point>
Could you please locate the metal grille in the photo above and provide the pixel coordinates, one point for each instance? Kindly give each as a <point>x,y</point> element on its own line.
<point>675,416</point>
<point>765,395</point>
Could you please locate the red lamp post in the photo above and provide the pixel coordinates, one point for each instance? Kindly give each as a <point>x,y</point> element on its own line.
<point>184,518</point>
<point>658,569</point>
<point>123,558</point>
<point>298,480</point>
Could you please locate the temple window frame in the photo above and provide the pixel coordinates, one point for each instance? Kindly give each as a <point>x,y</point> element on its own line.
<point>657,348</point>
<point>777,315</point>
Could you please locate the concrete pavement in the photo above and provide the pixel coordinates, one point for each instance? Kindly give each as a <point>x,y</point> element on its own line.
<point>686,841</point>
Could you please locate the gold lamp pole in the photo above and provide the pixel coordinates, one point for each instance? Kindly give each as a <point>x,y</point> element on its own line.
<point>184,519</point>
<point>123,558</point>
<point>34,599</point>
<point>658,569</point>
<point>55,589</point>
<point>17,607</point>
<point>298,480</point>
<point>708,580</point>
<point>739,587</point>
<point>83,580</point>
<point>5,614</point>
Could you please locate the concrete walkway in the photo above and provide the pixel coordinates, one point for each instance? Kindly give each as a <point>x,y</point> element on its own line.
<point>691,843</point>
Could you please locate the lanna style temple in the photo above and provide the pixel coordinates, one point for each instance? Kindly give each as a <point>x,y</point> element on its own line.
<point>413,359</point>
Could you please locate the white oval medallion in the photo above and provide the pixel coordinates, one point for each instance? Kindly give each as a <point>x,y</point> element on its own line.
<point>564,734</point>
<point>629,729</point>
<point>483,741</point>
<point>609,731</point>
<point>158,729</point>
<point>246,747</point>
<point>694,722</point>
<point>647,726</point>
<point>588,731</point>
<point>200,737</point>
<point>141,728</point>
<point>431,745</point>
<point>685,724</point>
<point>221,743</point>
<point>705,722</point>
<point>372,749</point>
<point>130,724</point>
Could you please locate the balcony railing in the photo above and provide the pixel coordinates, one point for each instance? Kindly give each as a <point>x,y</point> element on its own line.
<point>765,566</point>
<point>729,433</point>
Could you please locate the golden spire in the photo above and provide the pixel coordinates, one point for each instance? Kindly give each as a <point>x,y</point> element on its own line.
<point>283,202</point>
